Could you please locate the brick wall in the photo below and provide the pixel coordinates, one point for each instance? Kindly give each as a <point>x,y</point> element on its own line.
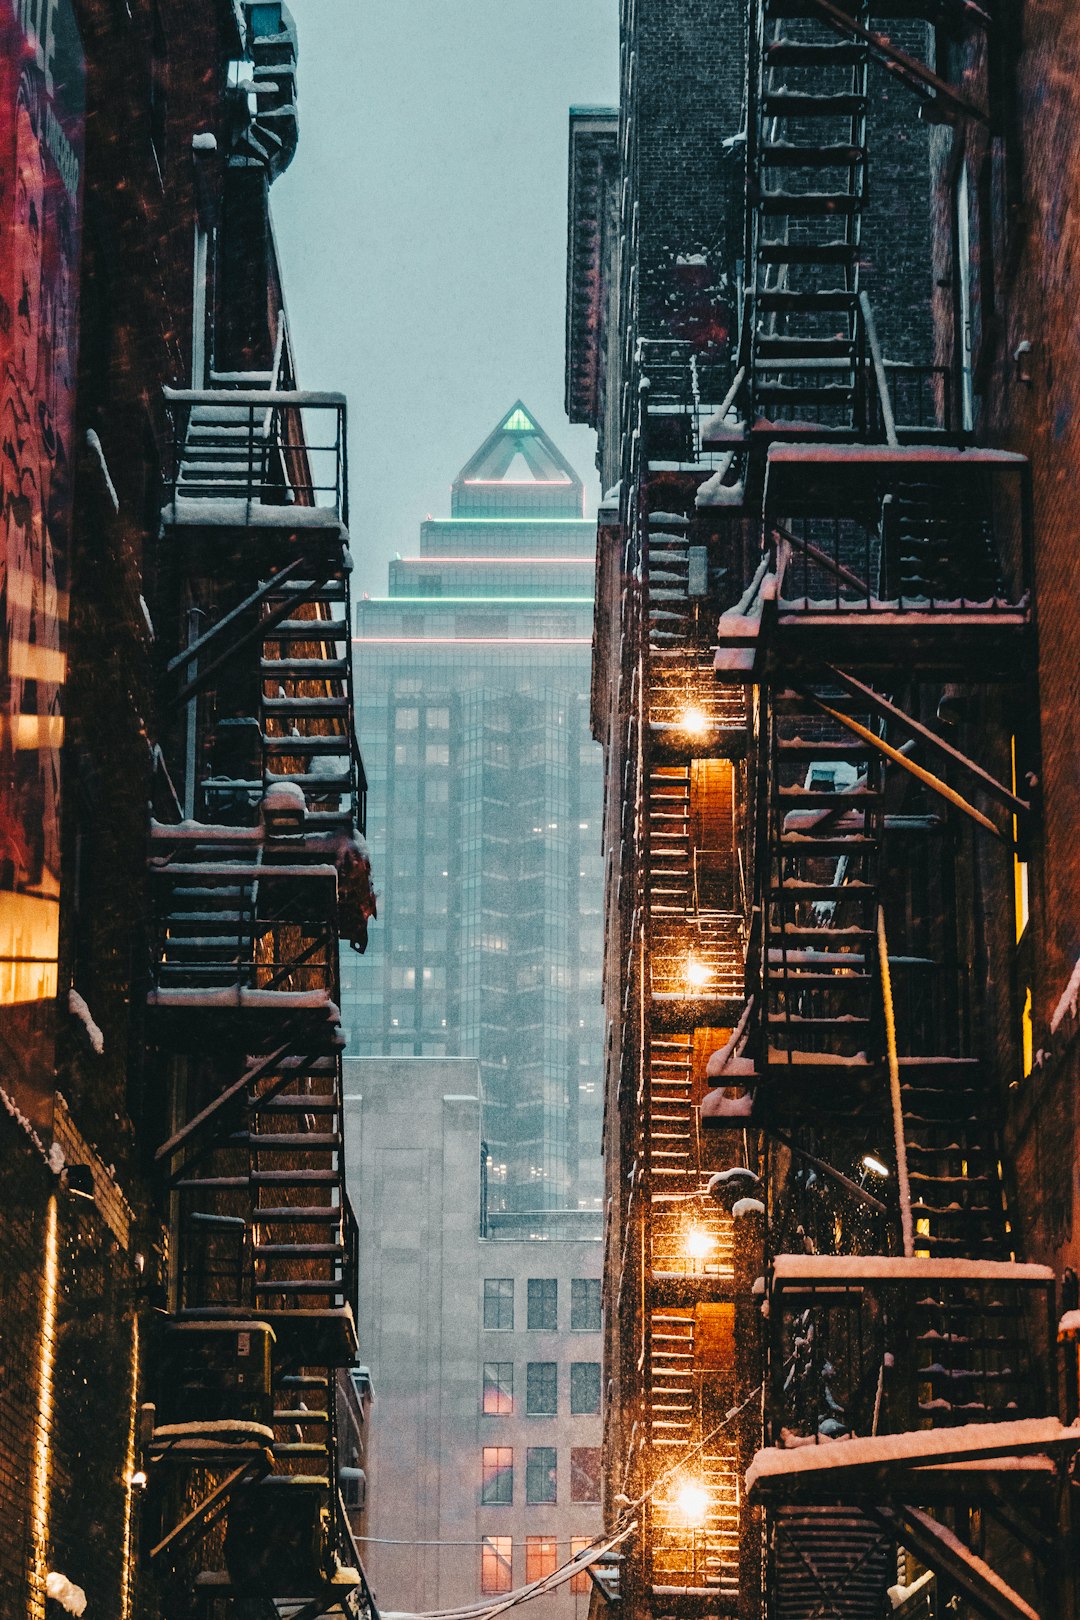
<point>1026,235</point>
<point>687,97</point>
<point>64,1498</point>
<point>896,264</point>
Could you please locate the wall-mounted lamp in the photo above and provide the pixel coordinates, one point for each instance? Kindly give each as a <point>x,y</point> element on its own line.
<point>1022,360</point>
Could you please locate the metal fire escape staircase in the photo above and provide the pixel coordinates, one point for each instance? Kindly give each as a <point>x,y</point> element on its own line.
<point>254,880</point>
<point>807,370</point>
<point>692,965</point>
<point>894,558</point>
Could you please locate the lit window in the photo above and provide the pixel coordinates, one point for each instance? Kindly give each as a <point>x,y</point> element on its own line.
<point>585,1305</point>
<point>497,1489</point>
<point>585,1474</point>
<point>543,1303</point>
<point>499,1302</point>
<point>541,1388</point>
<point>495,1567</point>
<point>584,1388</point>
<point>579,1584</point>
<point>541,1557</point>
<point>498,1388</point>
<point>541,1475</point>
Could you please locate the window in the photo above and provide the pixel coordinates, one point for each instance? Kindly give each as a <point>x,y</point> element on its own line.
<point>585,1474</point>
<point>495,1564</point>
<point>543,1303</point>
<point>498,1388</point>
<point>584,1388</point>
<point>540,1474</point>
<point>541,1557</point>
<point>585,1304</point>
<point>579,1584</point>
<point>499,1302</point>
<point>541,1388</point>
<point>498,1481</point>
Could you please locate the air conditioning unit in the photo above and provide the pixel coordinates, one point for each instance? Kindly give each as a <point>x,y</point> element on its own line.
<point>215,1370</point>
<point>277,1543</point>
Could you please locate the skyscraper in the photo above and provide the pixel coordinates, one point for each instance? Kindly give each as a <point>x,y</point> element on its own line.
<point>473,702</point>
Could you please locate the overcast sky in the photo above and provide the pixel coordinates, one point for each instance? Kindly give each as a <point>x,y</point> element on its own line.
<point>422,231</point>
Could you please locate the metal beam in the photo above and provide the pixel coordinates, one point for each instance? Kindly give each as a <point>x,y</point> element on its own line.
<point>202,642</point>
<point>223,1098</point>
<point>946,1554</point>
<point>826,1169</point>
<point>878,364</point>
<point>926,777</point>
<point>209,1510</point>
<point>903,66</point>
<point>837,569</point>
<point>936,744</point>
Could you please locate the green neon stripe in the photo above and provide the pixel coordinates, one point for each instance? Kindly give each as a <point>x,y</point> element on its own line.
<point>511,522</point>
<point>438,601</point>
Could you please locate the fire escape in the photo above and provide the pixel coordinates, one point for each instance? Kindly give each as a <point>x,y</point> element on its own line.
<point>912,1438</point>
<point>258,868</point>
<point>683,940</point>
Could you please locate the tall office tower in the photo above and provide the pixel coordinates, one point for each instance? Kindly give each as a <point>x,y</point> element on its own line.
<point>473,683</point>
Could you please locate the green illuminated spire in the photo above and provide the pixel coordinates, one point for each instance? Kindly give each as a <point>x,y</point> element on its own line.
<point>518,471</point>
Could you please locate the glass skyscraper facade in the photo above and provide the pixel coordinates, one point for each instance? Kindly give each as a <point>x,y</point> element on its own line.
<point>472,682</point>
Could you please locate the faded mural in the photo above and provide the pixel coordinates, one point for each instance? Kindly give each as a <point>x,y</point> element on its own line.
<point>41,120</point>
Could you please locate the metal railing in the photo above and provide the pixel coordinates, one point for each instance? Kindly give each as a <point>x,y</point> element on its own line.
<point>271,448</point>
<point>680,388</point>
<point>918,537</point>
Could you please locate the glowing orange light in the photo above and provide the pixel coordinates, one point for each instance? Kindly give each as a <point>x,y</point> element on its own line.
<point>690,1504</point>
<point>41,1454</point>
<point>695,722</point>
<point>697,973</point>
<point>699,1243</point>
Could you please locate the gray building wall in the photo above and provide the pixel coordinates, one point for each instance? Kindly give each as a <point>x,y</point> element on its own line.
<point>413,1157</point>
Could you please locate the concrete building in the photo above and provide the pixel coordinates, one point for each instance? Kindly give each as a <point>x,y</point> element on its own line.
<point>484,1352</point>
<point>472,681</point>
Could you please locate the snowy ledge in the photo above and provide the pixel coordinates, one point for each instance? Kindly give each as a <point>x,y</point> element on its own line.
<point>918,1448</point>
<point>233,511</point>
<point>826,1268</point>
<point>11,1107</point>
<point>216,1428</point>
<point>316,1000</point>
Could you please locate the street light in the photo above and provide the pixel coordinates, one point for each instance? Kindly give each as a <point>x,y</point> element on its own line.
<point>697,973</point>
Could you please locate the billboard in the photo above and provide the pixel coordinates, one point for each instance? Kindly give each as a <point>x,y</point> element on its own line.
<point>41,149</point>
